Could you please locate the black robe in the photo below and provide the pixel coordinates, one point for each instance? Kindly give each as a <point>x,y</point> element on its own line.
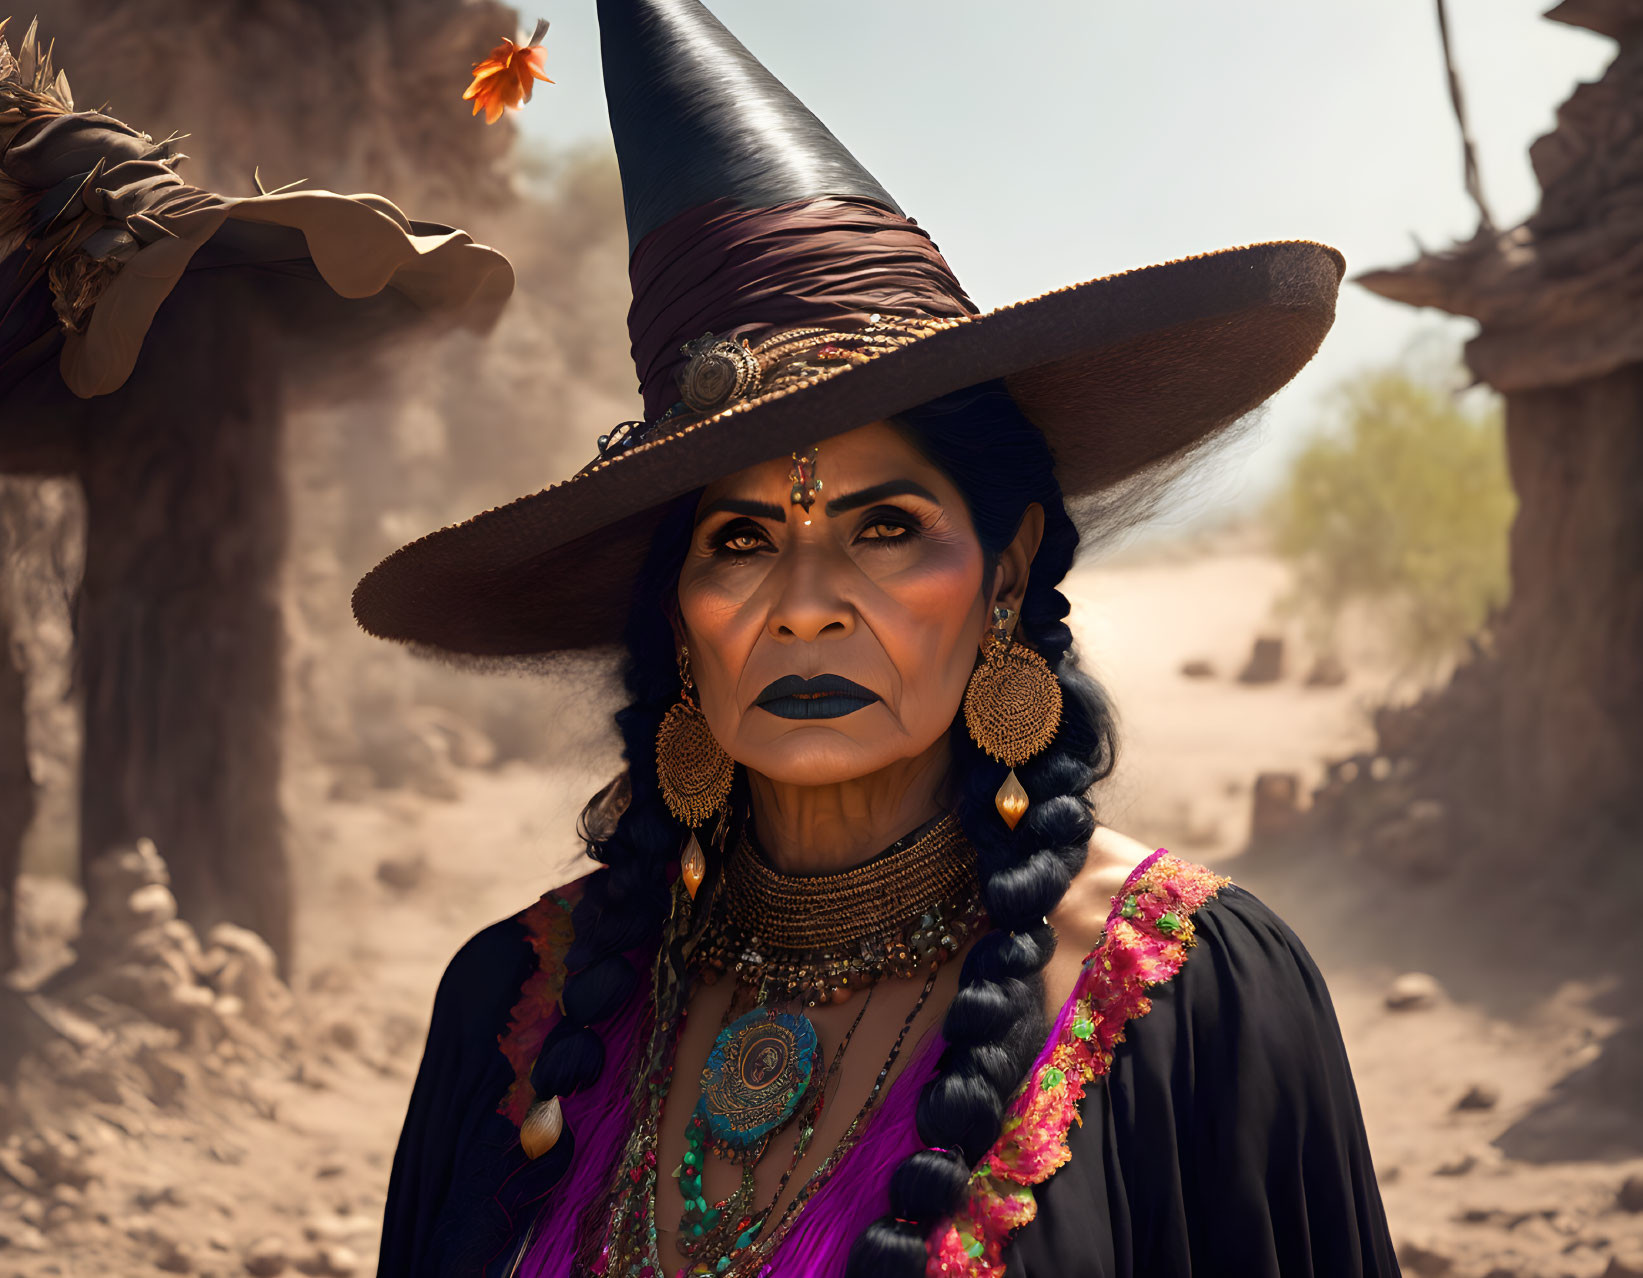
<point>1226,1141</point>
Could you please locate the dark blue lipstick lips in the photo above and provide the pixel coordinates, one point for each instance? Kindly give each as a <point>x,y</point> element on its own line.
<point>824,697</point>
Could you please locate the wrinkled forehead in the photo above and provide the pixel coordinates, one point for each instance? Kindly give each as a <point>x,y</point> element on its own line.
<point>843,463</point>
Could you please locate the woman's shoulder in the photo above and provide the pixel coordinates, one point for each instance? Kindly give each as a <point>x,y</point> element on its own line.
<point>535,921</point>
<point>1231,934</point>
<point>499,994</point>
<point>1229,1100</point>
<point>1233,1106</point>
<point>1080,919</point>
<point>485,976</point>
<point>1082,914</point>
<point>1219,965</point>
<point>1250,973</point>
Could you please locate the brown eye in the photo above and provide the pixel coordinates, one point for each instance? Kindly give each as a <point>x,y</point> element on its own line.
<point>885,530</point>
<point>741,538</point>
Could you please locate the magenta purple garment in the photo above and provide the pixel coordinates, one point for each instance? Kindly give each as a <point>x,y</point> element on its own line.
<point>848,1201</point>
<point>816,1246</point>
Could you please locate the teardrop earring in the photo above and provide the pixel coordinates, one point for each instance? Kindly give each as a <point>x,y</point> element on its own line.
<point>693,771</point>
<point>1012,709</point>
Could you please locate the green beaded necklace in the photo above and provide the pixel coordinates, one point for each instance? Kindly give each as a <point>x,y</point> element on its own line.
<point>730,1224</point>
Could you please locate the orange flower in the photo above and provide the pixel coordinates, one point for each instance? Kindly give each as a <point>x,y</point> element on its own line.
<point>506,77</point>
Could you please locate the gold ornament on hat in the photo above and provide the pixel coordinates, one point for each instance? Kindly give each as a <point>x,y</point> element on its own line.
<point>693,771</point>
<point>717,371</point>
<point>1012,709</point>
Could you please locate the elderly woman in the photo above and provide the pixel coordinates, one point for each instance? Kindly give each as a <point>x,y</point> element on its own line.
<point>861,986</point>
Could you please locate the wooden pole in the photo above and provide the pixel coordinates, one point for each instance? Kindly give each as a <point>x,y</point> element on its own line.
<point>1469,154</point>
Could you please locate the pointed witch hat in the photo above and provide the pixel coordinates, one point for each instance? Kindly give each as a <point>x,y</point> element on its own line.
<point>780,296</point>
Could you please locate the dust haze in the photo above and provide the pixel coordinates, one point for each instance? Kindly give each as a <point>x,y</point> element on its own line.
<point>210,1041</point>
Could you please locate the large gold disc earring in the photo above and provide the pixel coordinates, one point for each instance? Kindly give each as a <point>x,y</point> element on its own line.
<point>693,770</point>
<point>1012,709</point>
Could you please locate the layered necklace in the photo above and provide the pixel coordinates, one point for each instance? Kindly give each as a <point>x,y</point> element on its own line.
<point>818,938</point>
<point>789,942</point>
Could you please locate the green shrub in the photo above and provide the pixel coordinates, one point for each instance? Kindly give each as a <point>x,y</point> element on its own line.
<point>1402,502</point>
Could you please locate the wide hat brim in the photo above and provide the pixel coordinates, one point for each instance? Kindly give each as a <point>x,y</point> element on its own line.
<point>1121,374</point>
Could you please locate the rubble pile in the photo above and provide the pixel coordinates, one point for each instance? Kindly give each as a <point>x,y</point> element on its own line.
<point>155,1039</point>
<point>1421,798</point>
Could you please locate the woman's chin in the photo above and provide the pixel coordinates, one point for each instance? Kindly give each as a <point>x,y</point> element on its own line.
<point>826,751</point>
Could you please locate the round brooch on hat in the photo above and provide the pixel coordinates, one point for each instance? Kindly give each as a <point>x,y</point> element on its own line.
<point>716,372</point>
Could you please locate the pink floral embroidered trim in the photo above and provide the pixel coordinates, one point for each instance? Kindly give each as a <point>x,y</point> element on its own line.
<point>548,925</point>
<point>1145,943</point>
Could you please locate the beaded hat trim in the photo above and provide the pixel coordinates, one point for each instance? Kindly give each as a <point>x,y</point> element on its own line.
<point>1146,940</point>
<point>721,372</point>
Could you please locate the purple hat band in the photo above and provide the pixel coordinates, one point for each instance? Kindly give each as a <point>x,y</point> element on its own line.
<point>831,262</point>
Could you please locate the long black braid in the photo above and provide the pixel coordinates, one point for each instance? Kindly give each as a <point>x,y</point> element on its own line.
<point>995,1024</point>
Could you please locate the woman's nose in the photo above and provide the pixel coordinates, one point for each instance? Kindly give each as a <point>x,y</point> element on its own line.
<point>810,604</point>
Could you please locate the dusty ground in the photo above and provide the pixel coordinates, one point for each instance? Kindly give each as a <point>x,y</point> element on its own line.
<point>274,1158</point>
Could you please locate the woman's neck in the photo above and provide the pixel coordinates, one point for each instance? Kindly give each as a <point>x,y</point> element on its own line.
<point>821,829</point>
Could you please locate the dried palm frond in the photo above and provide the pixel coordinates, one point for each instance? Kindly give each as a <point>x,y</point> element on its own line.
<point>28,91</point>
<point>32,90</point>
<point>77,281</point>
<point>27,82</point>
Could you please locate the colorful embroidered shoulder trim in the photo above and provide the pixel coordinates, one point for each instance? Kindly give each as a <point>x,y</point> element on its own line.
<point>548,925</point>
<point>1145,943</point>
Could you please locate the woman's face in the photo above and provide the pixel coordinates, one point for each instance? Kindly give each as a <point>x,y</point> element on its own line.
<point>829,643</point>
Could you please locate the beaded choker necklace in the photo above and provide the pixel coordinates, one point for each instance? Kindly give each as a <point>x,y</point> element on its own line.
<point>818,938</point>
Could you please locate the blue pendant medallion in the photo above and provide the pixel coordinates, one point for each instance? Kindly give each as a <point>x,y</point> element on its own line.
<point>758,1073</point>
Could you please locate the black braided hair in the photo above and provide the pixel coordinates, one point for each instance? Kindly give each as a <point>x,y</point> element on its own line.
<point>625,904</point>
<point>996,1023</point>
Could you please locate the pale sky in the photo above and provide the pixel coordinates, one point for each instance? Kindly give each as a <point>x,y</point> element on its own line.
<point>1051,141</point>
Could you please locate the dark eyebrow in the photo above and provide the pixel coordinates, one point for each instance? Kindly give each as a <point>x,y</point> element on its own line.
<point>735,506</point>
<point>878,492</point>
